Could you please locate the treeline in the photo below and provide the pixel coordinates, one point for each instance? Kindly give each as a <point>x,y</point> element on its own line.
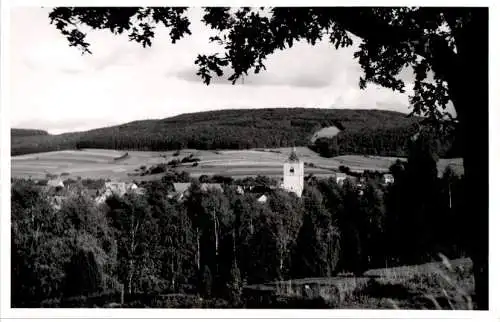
<point>235,129</point>
<point>26,132</point>
<point>216,242</point>
<point>382,141</point>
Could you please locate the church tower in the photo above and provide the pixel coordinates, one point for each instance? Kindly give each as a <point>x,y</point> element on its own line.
<point>293,174</point>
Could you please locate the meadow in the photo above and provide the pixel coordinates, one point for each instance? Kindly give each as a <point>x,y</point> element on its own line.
<point>444,284</point>
<point>124,165</point>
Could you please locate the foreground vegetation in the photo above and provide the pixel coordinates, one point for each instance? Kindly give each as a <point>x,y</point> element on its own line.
<point>437,285</point>
<point>214,245</point>
<point>373,132</point>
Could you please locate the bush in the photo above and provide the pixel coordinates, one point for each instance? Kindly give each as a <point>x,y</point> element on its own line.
<point>177,301</point>
<point>43,182</point>
<point>204,179</point>
<point>344,169</point>
<point>174,163</point>
<point>189,159</point>
<point>51,176</point>
<point>159,168</point>
<point>222,179</point>
<point>51,303</point>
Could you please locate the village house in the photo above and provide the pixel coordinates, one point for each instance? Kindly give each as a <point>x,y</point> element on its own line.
<point>262,199</point>
<point>55,183</point>
<point>240,190</point>
<point>181,189</point>
<point>117,188</point>
<point>340,178</point>
<point>388,178</point>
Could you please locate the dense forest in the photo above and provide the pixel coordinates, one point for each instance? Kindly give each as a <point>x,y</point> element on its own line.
<point>14,133</point>
<point>363,132</point>
<point>214,243</point>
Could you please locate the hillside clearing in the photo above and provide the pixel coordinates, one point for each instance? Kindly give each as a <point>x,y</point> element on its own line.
<point>97,163</point>
<point>327,132</point>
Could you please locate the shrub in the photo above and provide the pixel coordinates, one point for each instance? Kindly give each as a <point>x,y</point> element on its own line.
<point>177,301</point>
<point>51,176</point>
<point>189,159</point>
<point>43,182</point>
<point>174,163</point>
<point>344,169</point>
<point>159,168</point>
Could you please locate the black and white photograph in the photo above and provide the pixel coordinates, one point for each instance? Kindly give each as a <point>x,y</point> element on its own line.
<point>274,157</point>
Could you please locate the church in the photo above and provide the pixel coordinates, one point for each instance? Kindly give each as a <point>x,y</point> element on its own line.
<point>293,174</point>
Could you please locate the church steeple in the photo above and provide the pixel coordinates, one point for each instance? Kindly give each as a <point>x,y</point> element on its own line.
<point>293,174</point>
<point>293,156</point>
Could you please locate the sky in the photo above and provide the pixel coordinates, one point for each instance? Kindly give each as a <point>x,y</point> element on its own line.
<point>56,88</point>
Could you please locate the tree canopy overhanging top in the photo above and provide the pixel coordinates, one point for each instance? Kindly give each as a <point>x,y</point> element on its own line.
<point>425,39</point>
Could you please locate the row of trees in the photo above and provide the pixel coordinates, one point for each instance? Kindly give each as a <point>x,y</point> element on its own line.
<point>214,243</point>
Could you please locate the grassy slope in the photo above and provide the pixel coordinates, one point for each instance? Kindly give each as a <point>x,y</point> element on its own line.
<point>95,163</point>
<point>436,285</point>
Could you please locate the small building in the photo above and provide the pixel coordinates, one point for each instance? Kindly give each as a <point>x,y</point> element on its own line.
<point>181,189</point>
<point>262,199</point>
<point>117,188</point>
<point>340,178</point>
<point>55,183</point>
<point>206,187</point>
<point>388,178</point>
<point>240,190</point>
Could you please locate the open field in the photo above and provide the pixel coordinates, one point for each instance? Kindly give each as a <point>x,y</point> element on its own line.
<point>97,163</point>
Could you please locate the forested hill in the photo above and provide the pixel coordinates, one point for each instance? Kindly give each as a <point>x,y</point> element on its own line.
<point>238,129</point>
<point>26,132</point>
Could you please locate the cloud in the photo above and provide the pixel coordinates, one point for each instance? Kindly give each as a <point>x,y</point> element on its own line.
<point>54,87</point>
<point>303,79</point>
<point>302,65</point>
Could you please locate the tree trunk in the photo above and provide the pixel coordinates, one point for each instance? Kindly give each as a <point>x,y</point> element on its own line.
<point>198,248</point>
<point>216,235</point>
<point>469,93</point>
<point>129,278</point>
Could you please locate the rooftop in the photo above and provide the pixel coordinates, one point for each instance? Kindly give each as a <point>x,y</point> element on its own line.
<point>293,156</point>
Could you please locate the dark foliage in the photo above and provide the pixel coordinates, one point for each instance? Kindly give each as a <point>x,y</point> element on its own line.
<point>366,132</point>
<point>26,132</point>
<point>213,243</point>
